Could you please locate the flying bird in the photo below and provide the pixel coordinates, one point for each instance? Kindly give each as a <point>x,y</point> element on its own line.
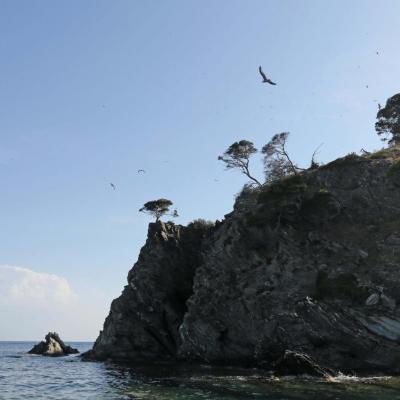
<point>141,171</point>
<point>112,185</point>
<point>265,79</point>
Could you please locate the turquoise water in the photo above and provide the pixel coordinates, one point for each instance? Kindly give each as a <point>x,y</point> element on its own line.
<point>24,376</point>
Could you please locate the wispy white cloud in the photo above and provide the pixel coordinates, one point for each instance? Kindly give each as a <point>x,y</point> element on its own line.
<point>27,287</point>
<point>33,303</point>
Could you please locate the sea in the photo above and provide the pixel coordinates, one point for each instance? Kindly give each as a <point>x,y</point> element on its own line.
<point>24,376</point>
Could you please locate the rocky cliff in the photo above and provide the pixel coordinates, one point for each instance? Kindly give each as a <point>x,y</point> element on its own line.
<point>310,264</point>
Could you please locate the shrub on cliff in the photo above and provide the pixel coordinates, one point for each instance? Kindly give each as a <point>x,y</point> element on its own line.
<point>277,163</point>
<point>201,223</point>
<point>388,121</point>
<point>158,208</point>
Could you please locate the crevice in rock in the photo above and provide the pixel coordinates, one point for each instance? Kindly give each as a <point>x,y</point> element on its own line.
<point>159,339</point>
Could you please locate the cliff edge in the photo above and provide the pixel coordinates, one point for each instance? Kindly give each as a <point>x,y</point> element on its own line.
<point>309,264</point>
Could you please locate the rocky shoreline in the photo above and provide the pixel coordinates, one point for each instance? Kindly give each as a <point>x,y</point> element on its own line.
<point>302,277</point>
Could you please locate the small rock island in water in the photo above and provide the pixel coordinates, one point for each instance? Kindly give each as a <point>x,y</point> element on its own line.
<point>53,346</point>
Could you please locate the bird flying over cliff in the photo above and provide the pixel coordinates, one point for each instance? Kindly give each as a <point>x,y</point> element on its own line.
<point>112,185</point>
<point>265,79</point>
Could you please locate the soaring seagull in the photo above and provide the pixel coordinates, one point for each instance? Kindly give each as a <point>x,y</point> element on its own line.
<point>112,185</point>
<point>265,79</point>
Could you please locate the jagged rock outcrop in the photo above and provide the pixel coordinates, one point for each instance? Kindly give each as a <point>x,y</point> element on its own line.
<point>53,346</point>
<point>310,265</point>
<point>293,363</point>
<point>144,321</point>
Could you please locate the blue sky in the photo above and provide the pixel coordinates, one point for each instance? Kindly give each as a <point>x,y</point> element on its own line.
<point>92,91</point>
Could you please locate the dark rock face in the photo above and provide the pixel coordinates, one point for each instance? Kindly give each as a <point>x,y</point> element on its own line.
<point>309,264</point>
<point>53,346</point>
<point>143,322</point>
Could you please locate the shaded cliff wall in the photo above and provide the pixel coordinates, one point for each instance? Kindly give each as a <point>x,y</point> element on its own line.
<point>143,322</point>
<point>310,263</point>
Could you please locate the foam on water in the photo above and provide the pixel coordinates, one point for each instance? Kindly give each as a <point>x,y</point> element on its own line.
<point>342,378</point>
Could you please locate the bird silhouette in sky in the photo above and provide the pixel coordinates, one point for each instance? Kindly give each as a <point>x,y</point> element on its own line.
<point>141,171</point>
<point>265,79</point>
<point>112,185</point>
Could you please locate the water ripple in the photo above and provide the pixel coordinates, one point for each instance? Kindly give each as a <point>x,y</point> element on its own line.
<point>23,376</point>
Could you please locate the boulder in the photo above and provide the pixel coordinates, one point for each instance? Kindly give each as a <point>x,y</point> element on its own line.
<point>53,346</point>
<point>294,363</point>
